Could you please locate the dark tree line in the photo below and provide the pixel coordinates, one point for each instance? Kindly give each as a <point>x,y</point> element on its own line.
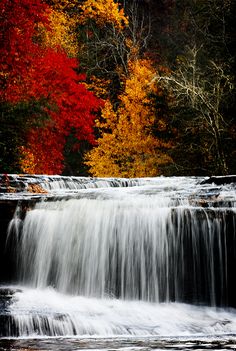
<point>196,40</point>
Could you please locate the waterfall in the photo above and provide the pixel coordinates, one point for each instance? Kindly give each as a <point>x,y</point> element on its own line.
<point>125,249</point>
<point>134,249</point>
<point>150,243</point>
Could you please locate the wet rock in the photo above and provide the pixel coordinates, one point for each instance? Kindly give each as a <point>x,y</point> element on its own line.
<point>220,180</point>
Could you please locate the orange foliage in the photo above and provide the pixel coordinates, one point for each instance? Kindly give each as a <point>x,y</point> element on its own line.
<point>63,5</point>
<point>61,33</point>
<point>103,12</point>
<point>27,160</point>
<point>99,86</point>
<point>127,147</point>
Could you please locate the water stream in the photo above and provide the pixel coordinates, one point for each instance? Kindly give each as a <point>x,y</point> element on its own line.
<point>140,264</point>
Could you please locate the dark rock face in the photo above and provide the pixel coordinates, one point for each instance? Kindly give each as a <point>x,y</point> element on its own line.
<point>220,180</point>
<point>7,260</point>
<point>9,246</point>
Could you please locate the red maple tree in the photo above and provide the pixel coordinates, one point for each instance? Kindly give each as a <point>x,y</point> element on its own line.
<point>31,71</point>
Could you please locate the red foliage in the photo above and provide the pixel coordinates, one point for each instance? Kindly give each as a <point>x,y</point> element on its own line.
<point>31,71</point>
<point>19,53</point>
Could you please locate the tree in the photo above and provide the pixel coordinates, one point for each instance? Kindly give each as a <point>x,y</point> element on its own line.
<point>62,32</point>
<point>127,146</point>
<point>34,72</point>
<point>203,96</point>
<point>111,36</point>
<point>103,12</point>
<point>15,121</point>
<point>202,84</point>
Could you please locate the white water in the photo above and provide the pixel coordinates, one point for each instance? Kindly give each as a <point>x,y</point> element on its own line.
<point>129,243</point>
<point>37,312</point>
<point>124,261</point>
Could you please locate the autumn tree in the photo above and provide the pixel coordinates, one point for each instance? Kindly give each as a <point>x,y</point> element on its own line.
<point>109,37</point>
<point>38,70</point>
<point>127,146</point>
<point>15,122</point>
<point>62,32</point>
<point>103,12</point>
<point>17,114</point>
<point>114,40</point>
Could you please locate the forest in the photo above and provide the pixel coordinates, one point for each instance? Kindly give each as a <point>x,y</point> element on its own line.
<point>135,88</point>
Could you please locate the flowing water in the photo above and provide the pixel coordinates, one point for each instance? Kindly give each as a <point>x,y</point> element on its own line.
<point>123,264</point>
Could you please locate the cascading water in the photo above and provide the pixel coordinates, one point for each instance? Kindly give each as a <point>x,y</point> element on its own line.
<point>132,248</point>
<point>115,261</point>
